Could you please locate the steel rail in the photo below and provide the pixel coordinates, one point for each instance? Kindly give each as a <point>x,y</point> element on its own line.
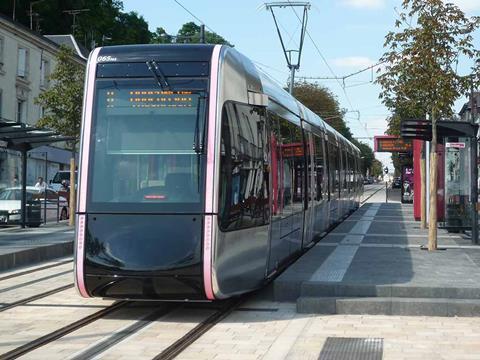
<point>34,270</point>
<point>376,191</point>
<point>189,338</point>
<point>123,334</point>
<point>57,334</point>
<point>35,297</point>
<point>31,282</point>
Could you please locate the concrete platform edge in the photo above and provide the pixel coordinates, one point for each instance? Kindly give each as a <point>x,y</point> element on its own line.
<point>35,255</point>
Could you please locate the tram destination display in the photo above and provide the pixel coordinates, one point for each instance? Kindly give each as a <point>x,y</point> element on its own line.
<point>390,143</point>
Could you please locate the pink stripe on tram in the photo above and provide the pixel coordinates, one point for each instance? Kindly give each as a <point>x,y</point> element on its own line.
<point>208,231</point>
<point>83,176</point>
<point>87,128</point>
<point>80,280</point>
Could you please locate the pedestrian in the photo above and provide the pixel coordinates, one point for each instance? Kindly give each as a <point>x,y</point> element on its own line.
<point>41,185</point>
<point>15,181</point>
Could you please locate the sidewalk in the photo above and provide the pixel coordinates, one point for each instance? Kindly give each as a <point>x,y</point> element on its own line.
<point>372,263</point>
<point>22,247</point>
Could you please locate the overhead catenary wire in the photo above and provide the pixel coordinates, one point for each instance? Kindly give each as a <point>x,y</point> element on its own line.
<point>332,72</point>
<point>194,16</point>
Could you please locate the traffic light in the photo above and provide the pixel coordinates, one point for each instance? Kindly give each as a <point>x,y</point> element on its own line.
<point>385,170</point>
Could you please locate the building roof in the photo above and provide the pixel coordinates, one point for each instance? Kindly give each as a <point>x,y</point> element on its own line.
<point>69,41</point>
<point>38,39</point>
<point>467,105</point>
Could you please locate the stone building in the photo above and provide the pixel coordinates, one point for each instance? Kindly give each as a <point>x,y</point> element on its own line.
<point>26,60</point>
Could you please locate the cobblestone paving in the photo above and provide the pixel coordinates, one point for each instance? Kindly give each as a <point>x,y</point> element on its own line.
<point>284,334</point>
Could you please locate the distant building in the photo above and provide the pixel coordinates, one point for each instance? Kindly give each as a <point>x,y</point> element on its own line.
<point>26,61</point>
<point>466,111</point>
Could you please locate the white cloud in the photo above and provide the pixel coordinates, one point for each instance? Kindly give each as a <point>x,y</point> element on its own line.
<point>370,4</point>
<point>353,61</point>
<point>466,5</point>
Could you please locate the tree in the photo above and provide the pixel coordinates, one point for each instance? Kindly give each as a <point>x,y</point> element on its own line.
<point>368,157</point>
<point>130,28</point>
<point>191,31</point>
<point>376,169</point>
<point>104,19</point>
<point>420,70</point>
<point>324,103</point>
<point>63,107</point>
<point>160,36</point>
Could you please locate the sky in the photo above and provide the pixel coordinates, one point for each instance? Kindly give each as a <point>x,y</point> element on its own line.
<point>344,36</point>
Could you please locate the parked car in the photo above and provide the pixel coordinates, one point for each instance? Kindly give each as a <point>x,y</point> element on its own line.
<point>10,205</point>
<point>62,175</point>
<point>397,183</point>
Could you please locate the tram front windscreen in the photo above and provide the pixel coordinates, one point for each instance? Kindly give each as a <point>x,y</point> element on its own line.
<point>147,148</point>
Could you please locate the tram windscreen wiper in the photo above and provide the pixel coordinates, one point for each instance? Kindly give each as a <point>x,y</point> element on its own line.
<point>199,138</point>
<point>158,74</point>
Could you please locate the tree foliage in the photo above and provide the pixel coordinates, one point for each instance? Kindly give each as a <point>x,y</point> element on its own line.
<point>324,103</point>
<point>104,19</point>
<point>188,33</point>
<point>420,75</point>
<point>63,100</point>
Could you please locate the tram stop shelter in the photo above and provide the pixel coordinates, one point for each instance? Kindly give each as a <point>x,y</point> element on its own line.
<point>457,202</point>
<point>23,138</point>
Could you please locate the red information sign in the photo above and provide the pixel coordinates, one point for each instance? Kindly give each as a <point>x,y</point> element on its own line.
<point>391,143</point>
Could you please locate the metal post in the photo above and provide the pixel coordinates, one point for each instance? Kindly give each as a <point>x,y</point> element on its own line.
<point>24,189</point>
<point>31,16</point>
<point>386,192</point>
<point>474,179</point>
<point>45,192</point>
<point>202,34</point>
<point>292,79</point>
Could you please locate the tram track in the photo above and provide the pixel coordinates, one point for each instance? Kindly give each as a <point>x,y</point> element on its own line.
<point>57,334</point>
<point>368,197</point>
<point>189,338</point>
<point>34,297</point>
<point>34,281</point>
<point>170,352</point>
<point>26,272</point>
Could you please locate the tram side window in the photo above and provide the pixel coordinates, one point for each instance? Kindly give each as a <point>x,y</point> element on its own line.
<point>287,149</point>
<point>244,198</point>
<point>344,169</point>
<point>319,168</point>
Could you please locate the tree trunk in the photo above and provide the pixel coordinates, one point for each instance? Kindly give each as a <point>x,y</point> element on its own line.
<point>71,220</point>
<point>423,189</point>
<point>432,229</point>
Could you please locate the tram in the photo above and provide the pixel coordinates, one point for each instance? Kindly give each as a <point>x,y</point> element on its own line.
<point>200,178</point>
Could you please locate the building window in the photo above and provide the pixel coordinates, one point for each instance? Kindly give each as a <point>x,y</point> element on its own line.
<point>22,65</point>
<point>44,72</point>
<point>21,111</point>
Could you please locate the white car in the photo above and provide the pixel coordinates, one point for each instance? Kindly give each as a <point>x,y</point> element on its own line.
<point>10,206</point>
